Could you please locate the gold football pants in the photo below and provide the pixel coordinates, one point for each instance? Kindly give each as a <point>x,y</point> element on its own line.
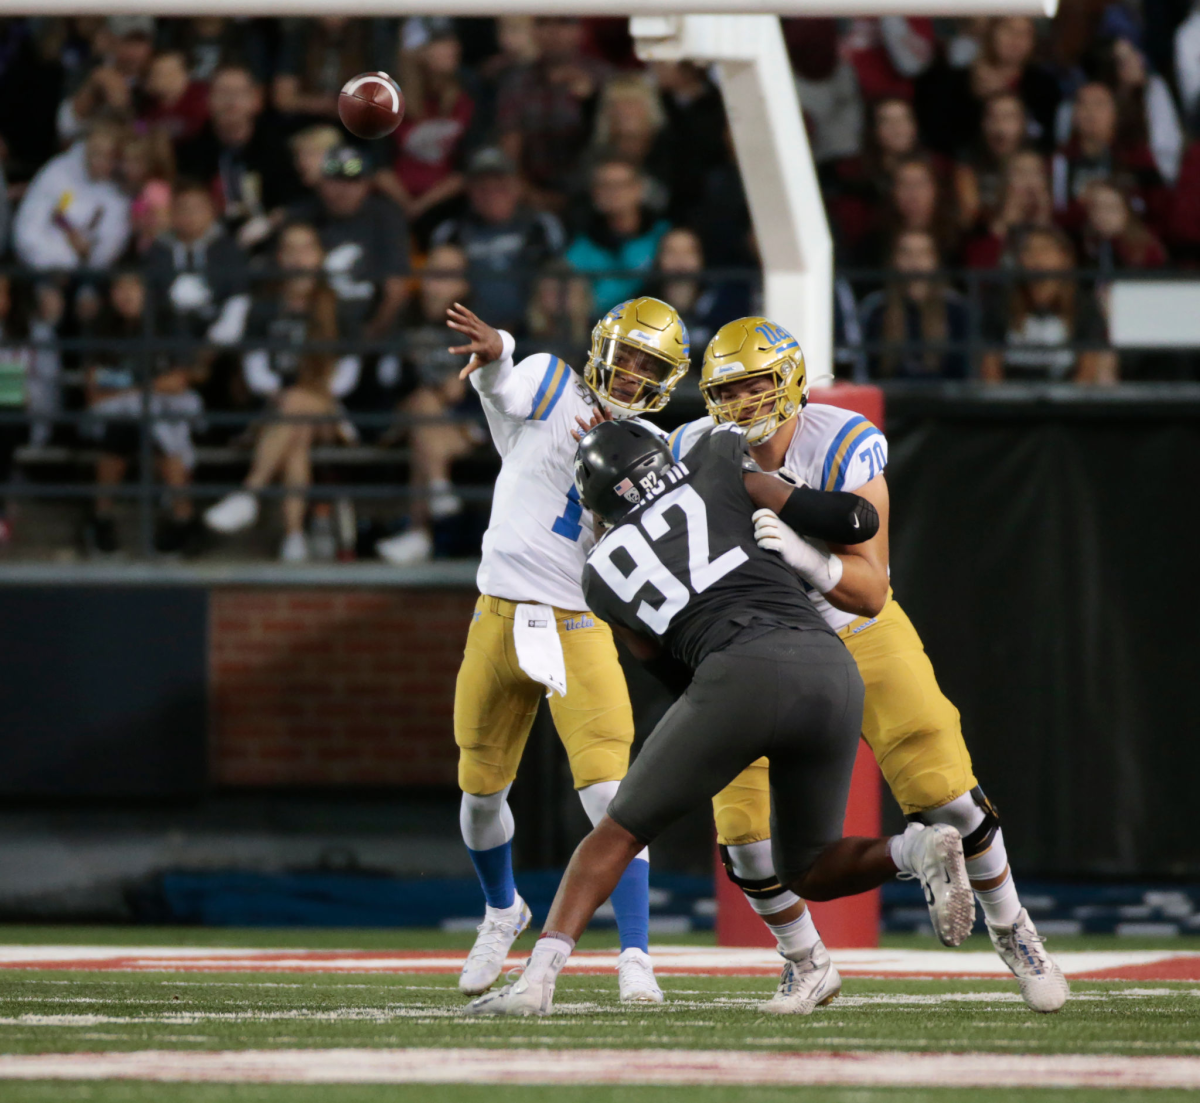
<point>909,724</point>
<point>495,701</point>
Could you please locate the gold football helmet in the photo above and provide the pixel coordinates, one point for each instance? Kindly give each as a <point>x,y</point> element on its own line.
<point>639,354</point>
<point>751,349</point>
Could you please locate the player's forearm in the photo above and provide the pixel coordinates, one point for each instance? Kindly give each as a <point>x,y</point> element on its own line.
<point>862,589</point>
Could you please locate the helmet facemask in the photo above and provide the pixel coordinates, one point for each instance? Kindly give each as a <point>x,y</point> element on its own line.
<point>759,414</point>
<point>629,379</point>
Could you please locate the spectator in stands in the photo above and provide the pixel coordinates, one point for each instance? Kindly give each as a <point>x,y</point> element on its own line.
<point>979,175</point>
<point>198,287</point>
<point>437,392</point>
<point>506,241</point>
<point>694,131</point>
<point>516,47</point>
<point>1113,235</point>
<point>1051,329</point>
<point>620,233</point>
<point>1025,203</point>
<point>209,41</point>
<point>293,382</point>
<point>113,90</point>
<point>904,324</point>
<point>74,214</point>
<point>365,242</point>
<point>559,317</point>
<point>29,375</point>
<point>704,305</point>
<point>147,173</point>
<point>544,110</point>
<point>918,201</point>
<point>859,188</point>
<point>1183,225</point>
<point>175,104</point>
<point>888,54</point>
<point>828,89</point>
<point>239,154</point>
<point>629,126</point>
<point>425,177</point>
<point>1146,113</point>
<point>1093,154</point>
<point>116,386</point>
<point>310,147</point>
<point>950,100</point>
<point>317,57</point>
<point>149,217</point>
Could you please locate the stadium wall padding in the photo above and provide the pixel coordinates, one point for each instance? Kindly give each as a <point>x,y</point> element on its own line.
<point>103,691</point>
<point>1047,553</point>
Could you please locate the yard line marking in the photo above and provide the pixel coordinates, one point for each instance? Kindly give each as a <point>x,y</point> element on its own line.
<point>610,1066</point>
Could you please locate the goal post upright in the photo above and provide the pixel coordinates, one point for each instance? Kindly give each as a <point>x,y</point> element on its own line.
<point>774,161</point>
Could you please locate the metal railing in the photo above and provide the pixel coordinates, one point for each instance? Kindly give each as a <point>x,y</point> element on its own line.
<point>980,291</point>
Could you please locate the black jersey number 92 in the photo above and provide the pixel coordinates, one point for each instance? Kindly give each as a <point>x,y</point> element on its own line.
<point>684,566</point>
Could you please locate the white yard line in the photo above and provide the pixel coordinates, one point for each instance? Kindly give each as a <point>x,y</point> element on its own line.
<point>612,1066</point>
<point>679,960</point>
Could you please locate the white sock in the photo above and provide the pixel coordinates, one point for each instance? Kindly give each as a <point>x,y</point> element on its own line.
<point>797,937</point>
<point>505,913</point>
<point>548,957</point>
<point>898,848</point>
<point>1001,905</point>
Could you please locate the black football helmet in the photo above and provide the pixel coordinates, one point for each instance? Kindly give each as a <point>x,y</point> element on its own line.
<point>616,465</point>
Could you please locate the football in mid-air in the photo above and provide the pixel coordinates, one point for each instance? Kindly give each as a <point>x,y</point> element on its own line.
<point>371,105</point>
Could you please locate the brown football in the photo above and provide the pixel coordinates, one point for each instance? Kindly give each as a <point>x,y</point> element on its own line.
<point>371,105</point>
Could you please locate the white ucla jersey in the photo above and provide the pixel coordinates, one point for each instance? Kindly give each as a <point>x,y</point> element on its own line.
<point>833,449</point>
<point>538,538</point>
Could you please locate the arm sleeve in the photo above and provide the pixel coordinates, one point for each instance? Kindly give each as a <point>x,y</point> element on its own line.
<point>36,241</point>
<point>527,391</point>
<point>257,371</point>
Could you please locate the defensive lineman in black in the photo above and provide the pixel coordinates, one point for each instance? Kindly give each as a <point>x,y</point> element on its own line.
<point>680,579</point>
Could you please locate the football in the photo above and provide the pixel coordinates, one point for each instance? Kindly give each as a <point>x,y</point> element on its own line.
<point>371,105</point>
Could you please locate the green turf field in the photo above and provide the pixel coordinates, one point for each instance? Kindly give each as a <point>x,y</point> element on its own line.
<point>50,1011</point>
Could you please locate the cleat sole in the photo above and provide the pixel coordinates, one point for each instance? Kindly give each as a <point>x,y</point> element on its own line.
<point>959,907</point>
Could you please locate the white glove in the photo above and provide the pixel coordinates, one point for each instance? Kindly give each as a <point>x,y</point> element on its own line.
<point>821,570</point>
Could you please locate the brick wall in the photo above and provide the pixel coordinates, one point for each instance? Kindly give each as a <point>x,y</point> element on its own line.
<point>334,687</point>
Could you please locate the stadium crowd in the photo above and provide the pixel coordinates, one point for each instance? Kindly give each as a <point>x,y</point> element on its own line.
<point>187,180</point>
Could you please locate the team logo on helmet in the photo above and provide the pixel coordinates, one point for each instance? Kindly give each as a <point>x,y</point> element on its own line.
<point>628,491</point>
<point>748,350</point>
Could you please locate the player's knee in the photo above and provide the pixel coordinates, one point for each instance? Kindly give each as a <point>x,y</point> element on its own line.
<point>486,821</point>
<point>750,867</point>
<point>973,815</point>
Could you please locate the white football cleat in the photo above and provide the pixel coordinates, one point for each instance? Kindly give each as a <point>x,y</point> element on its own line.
<point>532,993</point>
<point>806,984</point>
<point>635,975</point>
<point>232,513</point>
<point>1043,986</point>
<point>485,962</point>
<point>414,546</point>
<point>936,855</point>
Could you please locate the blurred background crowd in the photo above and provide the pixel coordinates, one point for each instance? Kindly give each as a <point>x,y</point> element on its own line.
<point>200,270</point>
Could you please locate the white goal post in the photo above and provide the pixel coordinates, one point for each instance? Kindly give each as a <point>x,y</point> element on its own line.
<point>743,38</point>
